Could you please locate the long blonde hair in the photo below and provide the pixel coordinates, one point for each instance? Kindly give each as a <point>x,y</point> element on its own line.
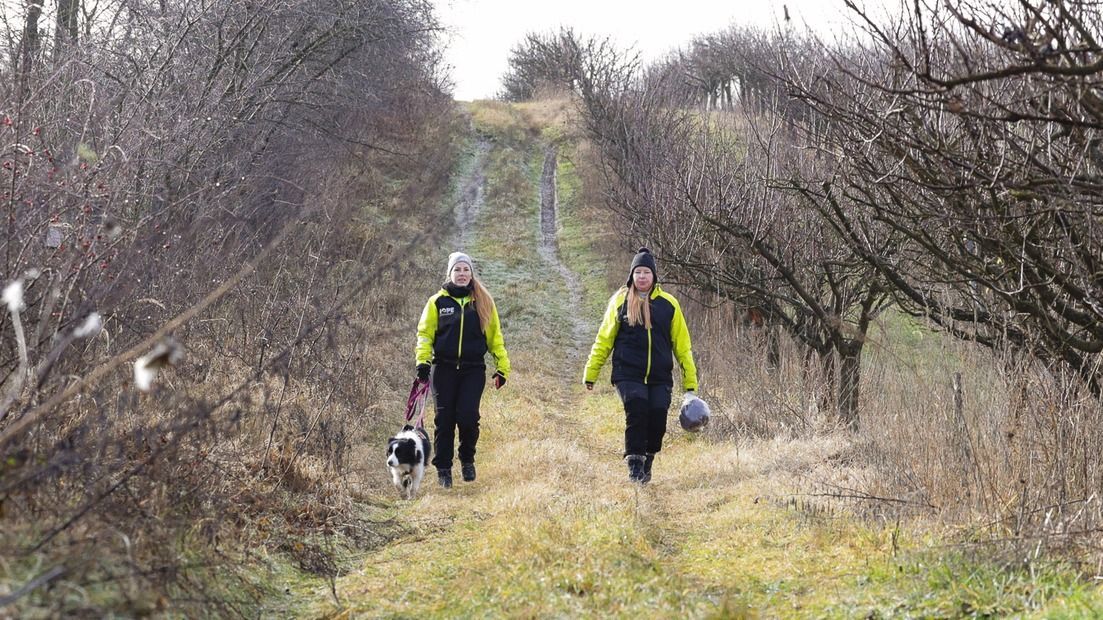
<point>638,307</point>
<point>484,303</point>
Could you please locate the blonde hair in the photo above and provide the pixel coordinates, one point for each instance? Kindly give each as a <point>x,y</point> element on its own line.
<point>484,303</point>
<point>638,307</point>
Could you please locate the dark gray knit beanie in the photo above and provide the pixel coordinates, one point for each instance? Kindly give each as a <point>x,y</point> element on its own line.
<point>643,258</point>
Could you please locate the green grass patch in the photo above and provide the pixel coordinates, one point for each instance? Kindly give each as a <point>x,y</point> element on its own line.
<point>899,339</point>
<point>578,225</point>
<point>926,584</point>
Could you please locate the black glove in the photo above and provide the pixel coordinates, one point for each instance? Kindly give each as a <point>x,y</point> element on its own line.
<point>589,385</point>
<point>423,372</point>
<point>499,380</point>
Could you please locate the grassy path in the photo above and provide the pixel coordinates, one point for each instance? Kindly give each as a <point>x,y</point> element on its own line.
<point>552,528</point>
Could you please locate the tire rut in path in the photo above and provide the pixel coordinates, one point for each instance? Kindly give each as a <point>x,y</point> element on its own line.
<point>471,194</point>
<point>549,247</point>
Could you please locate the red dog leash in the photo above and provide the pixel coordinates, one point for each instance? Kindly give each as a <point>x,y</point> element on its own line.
<point>415,405</point>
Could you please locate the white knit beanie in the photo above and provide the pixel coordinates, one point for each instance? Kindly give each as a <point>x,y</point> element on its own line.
<point>458,257</point>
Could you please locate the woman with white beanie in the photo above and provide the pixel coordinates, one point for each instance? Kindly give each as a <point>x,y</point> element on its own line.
<point>458,327</point>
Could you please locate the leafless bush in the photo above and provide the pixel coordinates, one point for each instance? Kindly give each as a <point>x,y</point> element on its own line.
<point>199,172</point>
<point>539,63</point>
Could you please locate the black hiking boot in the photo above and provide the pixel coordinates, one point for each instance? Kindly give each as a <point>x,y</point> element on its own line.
<point>468,470</point>
<point>647,467</point>
<point>635,467</point>
<point>444,477</point>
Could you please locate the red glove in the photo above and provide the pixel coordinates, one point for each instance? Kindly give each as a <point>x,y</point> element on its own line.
<point>499,380</point>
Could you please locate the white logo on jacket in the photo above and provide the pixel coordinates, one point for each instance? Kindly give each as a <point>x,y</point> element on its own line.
<point>447,311</point>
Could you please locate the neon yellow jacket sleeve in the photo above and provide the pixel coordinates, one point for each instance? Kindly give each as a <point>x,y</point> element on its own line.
<point>496,344</point>
<point>603,344</point>
<point>426,332</point>
<point>679,341</point>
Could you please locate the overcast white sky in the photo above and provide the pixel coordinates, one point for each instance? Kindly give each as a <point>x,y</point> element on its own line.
<point>483,31</point>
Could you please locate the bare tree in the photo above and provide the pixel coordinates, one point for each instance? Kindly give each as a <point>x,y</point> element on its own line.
<point>540,61</point>
<point>66,26</point>
<point>190,177</point>
<point>29,45</point>
<point>971,137</point>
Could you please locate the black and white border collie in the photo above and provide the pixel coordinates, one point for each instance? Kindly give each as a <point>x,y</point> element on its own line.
<point>407,457</point>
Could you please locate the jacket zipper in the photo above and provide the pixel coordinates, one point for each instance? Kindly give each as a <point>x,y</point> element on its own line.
<point>647,373</point>
<point>459,350</point>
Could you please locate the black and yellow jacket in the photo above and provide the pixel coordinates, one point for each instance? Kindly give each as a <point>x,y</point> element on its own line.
<point>641,354</point>
<point>449,333</point>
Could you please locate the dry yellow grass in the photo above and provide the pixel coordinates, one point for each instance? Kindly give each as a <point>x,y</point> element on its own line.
<point>553,528</point>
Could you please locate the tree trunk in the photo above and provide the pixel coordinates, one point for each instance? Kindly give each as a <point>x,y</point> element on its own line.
<point>850,365</point>
<point>66,27</point>
<point>28,46</point>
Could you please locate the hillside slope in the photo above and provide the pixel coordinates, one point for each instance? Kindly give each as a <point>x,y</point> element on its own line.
<point>552,528</point>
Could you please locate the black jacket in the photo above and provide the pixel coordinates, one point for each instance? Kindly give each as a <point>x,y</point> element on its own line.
<point>449,333</point>
<point>640,354</point>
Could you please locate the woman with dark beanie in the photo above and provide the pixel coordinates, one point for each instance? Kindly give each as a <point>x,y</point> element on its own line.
<point>458,326</point>
<point>645,330</point>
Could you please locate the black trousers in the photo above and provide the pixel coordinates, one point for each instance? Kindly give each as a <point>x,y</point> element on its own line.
<point>645,408</point>
<point>457,393</point>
